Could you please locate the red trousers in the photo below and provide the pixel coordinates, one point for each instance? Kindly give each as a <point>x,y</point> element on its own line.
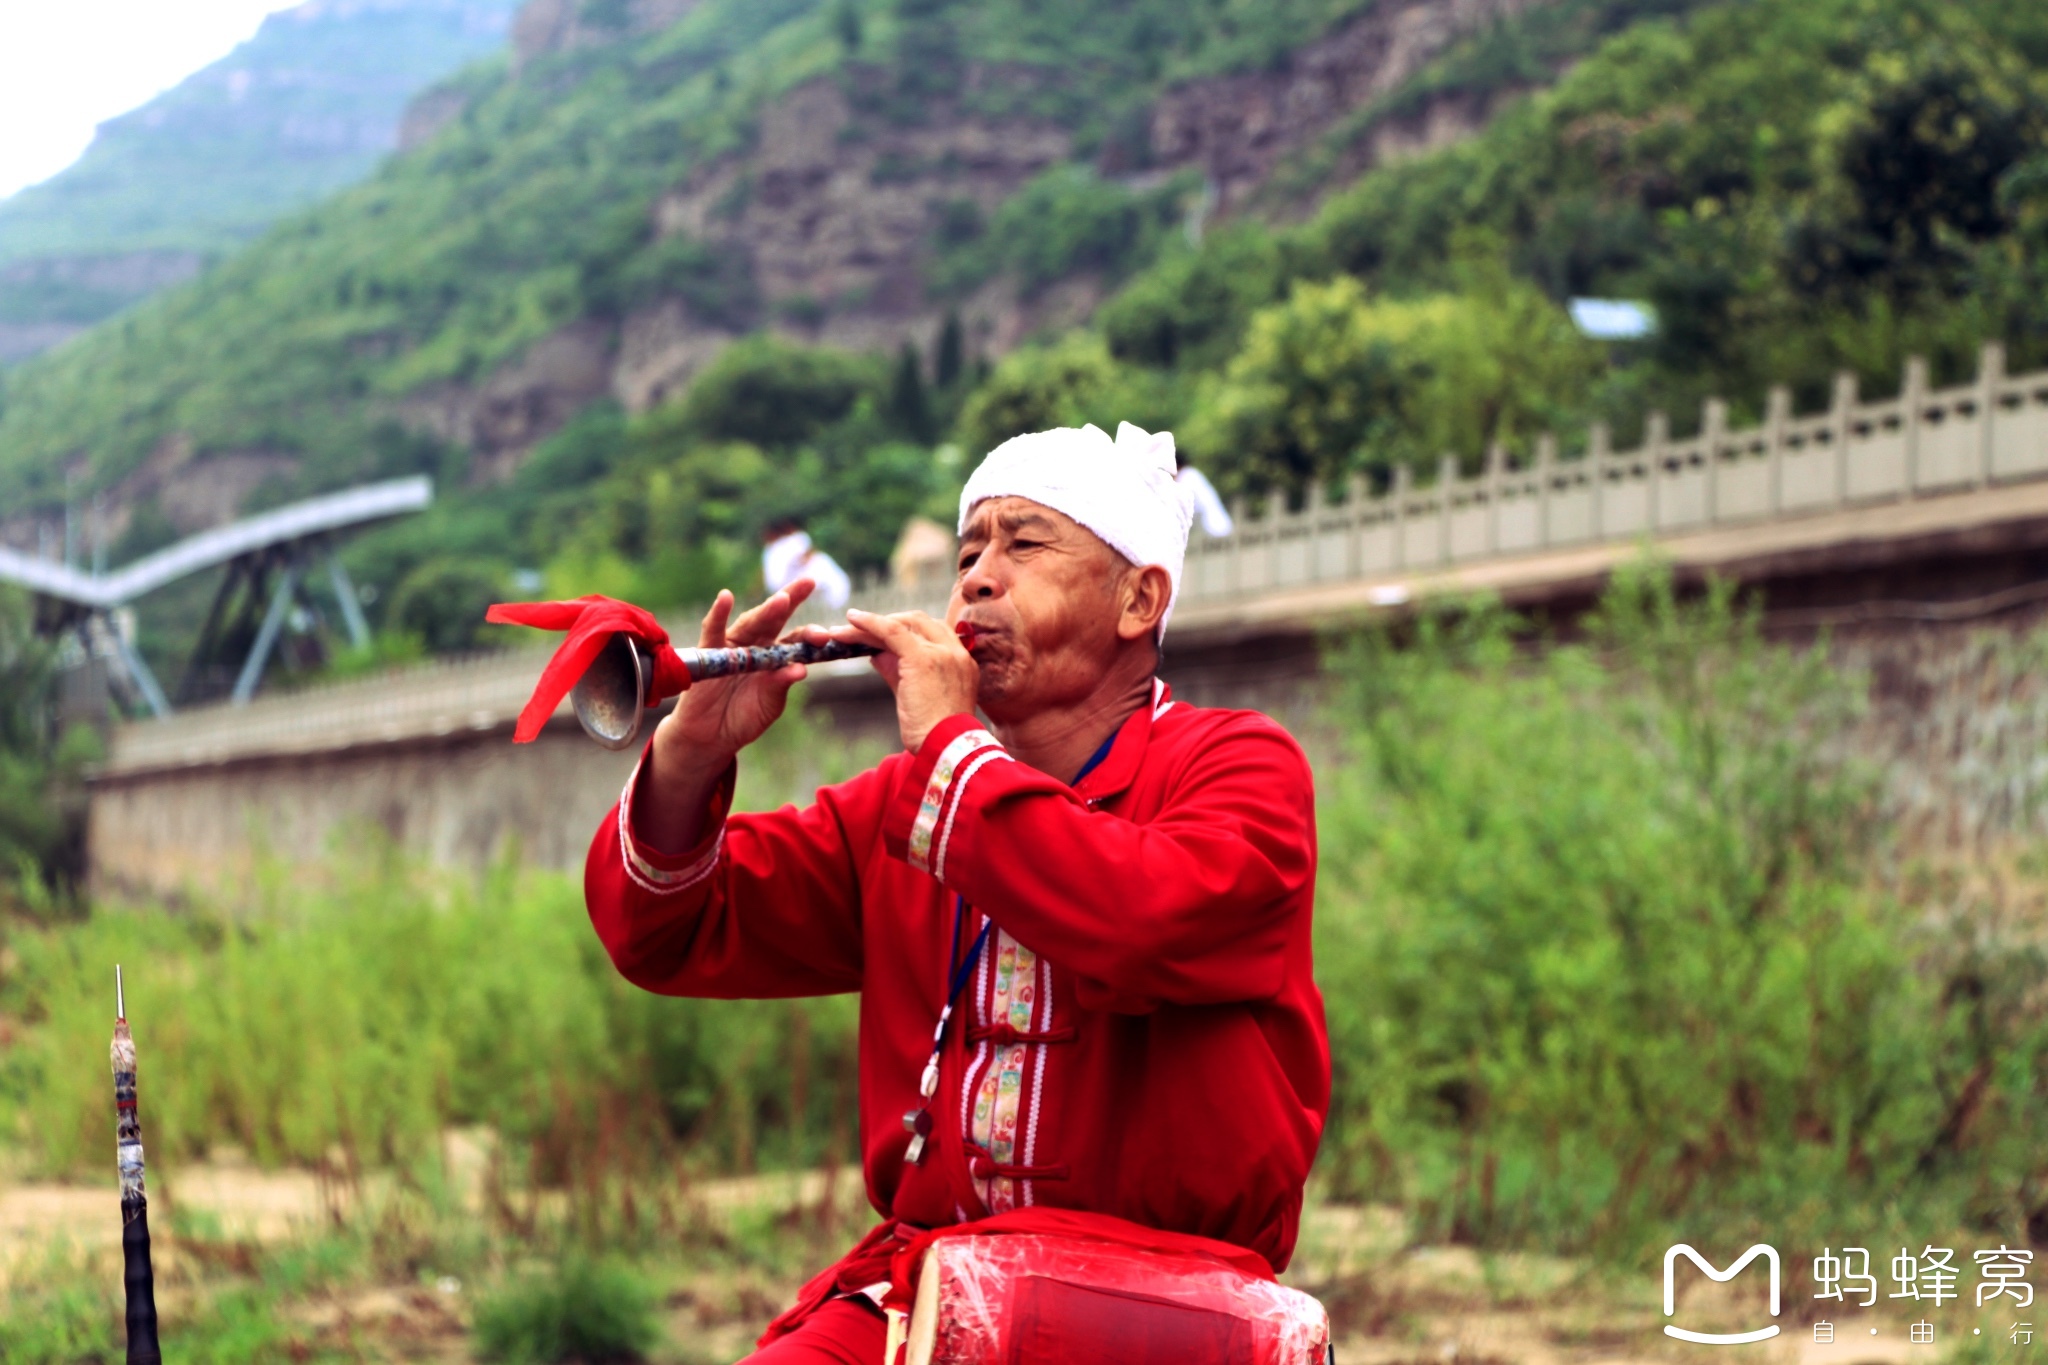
<point>841,1332</point>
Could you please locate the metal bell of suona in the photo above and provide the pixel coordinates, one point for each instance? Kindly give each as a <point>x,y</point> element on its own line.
<point>610,699</point>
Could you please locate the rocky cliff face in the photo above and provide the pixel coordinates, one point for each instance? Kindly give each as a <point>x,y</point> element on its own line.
<point>837,223</point>
<point>1241,128</point>
<point>547,26</point>
<point>836,218</point>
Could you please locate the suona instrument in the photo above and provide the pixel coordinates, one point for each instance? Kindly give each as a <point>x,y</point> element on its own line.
<point>617,662</point>
<point>610,699</point>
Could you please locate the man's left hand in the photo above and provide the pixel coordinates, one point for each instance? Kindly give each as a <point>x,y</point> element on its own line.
<point>926,666</point>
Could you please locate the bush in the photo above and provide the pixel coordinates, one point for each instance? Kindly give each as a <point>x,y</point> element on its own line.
<point>1334,381</point>
<point>772,393</point>
<point>68,1311</point>
<point>240,1325</point>
<point>1037,388</point>
<point>1607,954</point>
<point>442,602</point>
<point>59,1313</point>
<point>716,281</point>
<point>1191,308</point>
<point>42,790</point>
<point>1067,221</point>
<point>584,1310</point>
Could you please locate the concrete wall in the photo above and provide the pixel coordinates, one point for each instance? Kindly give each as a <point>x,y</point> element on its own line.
<point>463,800</point>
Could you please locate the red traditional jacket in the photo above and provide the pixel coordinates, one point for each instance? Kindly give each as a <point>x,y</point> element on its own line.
<point>1141,1036</point>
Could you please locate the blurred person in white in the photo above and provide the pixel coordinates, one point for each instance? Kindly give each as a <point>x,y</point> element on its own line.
<point>787,555</point>
<point>1209,508</point>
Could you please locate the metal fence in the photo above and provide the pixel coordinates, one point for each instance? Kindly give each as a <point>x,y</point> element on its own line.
<point>1921,442</point>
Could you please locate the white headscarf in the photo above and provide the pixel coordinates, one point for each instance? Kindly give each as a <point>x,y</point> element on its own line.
<point>1122,490</point>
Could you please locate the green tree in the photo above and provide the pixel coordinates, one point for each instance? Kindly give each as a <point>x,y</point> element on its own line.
<point>42,805</point>
<point>1334,381</point>
<point>1917,162</point>
<point>1500,363</point>
<point>1316,379</point>
<point>846,25</point>
<point>1066,221</point>
<point>949,358</point>
<point>1036,388</point>
<point>1191,309</point>
<point>771,429</point>
<point>774,393</point>
<point>909,408</point>
<point>444,599</point>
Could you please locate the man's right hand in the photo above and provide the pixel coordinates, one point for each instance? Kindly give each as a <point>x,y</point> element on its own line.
<point>712,722</point>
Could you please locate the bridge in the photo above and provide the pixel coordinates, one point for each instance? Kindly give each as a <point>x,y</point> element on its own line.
<point>283,541</point>
<point>1889,521</point>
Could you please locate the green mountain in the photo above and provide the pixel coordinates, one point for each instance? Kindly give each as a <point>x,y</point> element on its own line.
<point>604,215</point>
<point>308,105</point>
<point>671,271</point>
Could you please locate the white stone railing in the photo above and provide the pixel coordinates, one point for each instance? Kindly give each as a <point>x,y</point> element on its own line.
<point>420,701</point>
<point>1919,443</point>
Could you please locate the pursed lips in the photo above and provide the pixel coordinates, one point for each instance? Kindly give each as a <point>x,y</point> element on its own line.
<point>983,635</point>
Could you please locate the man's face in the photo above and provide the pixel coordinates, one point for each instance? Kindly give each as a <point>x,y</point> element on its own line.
<point>1044,597</point>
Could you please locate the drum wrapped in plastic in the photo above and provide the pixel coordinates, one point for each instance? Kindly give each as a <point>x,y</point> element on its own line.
<point>1006,1300</point>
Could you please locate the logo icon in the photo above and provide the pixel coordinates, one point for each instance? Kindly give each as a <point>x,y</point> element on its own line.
<point>1706,1267</point>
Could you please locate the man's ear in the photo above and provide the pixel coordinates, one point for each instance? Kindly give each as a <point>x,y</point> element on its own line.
<point>1147,592</point>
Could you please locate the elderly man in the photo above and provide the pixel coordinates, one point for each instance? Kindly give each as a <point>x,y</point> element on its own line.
<point>1080,931</point>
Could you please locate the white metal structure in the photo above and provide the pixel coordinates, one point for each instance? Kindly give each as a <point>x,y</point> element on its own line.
<point>296,529</point>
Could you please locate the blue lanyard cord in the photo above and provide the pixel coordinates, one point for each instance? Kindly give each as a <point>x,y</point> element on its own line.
<point>1094,760</point>
<point>964,969</point>
<point>928,1084</point>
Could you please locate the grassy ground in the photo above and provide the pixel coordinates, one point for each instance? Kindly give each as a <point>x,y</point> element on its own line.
<point>386,1274</point>
<point>257,1267</point>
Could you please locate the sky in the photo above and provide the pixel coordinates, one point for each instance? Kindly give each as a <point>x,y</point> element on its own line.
<point>68,65</point>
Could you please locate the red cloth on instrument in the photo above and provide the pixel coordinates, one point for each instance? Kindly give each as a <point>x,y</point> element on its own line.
<point>1175,1064</point>
<point>590,622</point>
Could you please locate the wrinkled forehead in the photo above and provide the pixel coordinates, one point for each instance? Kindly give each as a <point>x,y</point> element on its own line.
<point>1014,515</point>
